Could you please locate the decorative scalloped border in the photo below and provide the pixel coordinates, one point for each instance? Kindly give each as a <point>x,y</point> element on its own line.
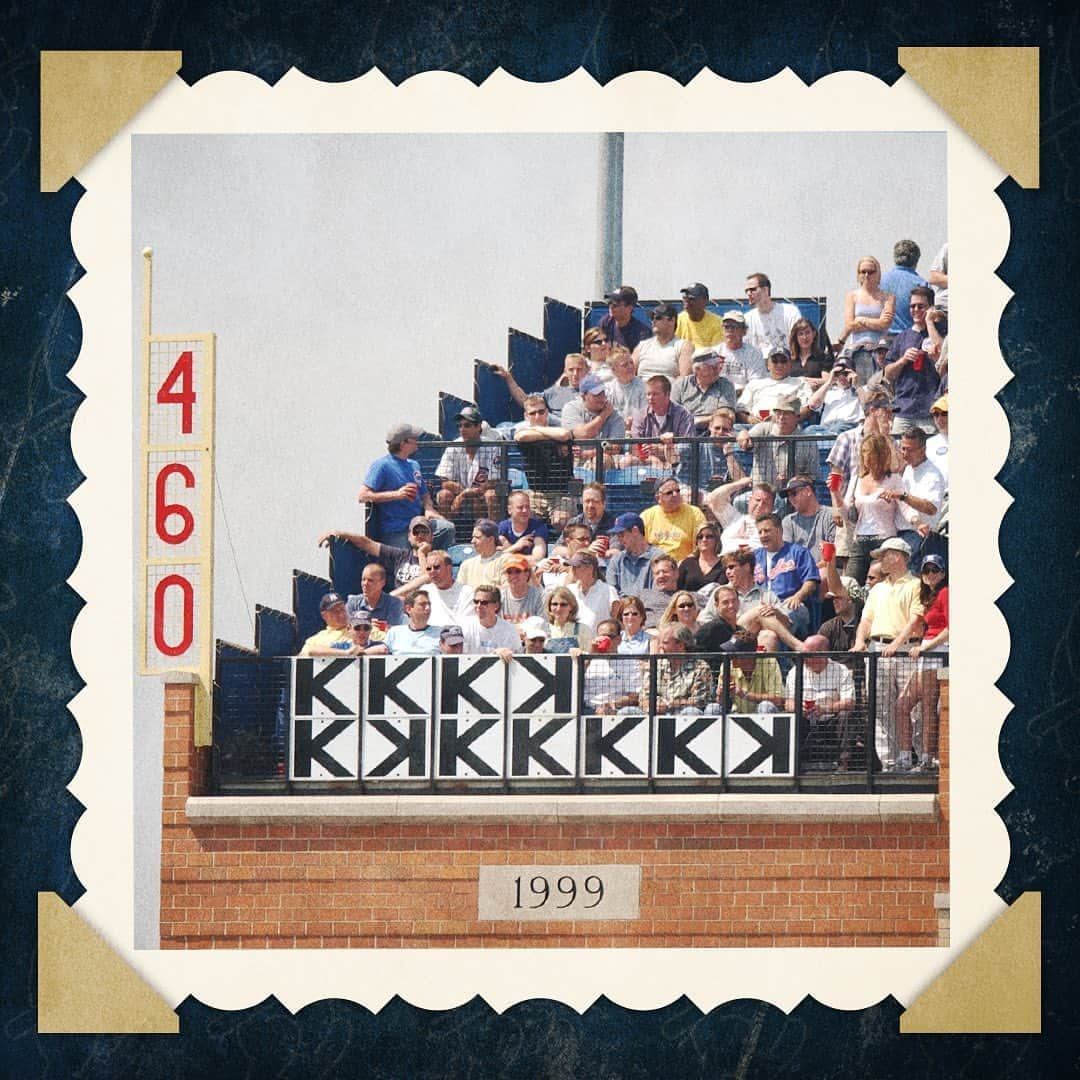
<point>102,843</point>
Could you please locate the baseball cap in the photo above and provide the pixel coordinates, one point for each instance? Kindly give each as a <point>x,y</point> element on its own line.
<point>470,413</point>
<point>883,343</point>
<point>399,432</point>
<point>787,403</point>
<point>734,316</point>
<point>534,627</point>
<point>663,311</point>
<point>796,484</point>
<point>452,635</point>
<point>696,289</point>
<point>734,645</point>
<point>779,351</point>
<point>329,600</point>
<point>941,405</point>
<point>624,294</point>
<point>894,543</point>
<point>707,356</point>
<point>933,560</point>
<point>626,521</point>
<point>360,618</point>
<point>515,562</point>
<point>486,527</point>
<point>841,365</point>
<point>850,586</point>
<point>592,384</point>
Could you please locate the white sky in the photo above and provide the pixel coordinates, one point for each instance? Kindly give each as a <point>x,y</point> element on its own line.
<point>349,278</point>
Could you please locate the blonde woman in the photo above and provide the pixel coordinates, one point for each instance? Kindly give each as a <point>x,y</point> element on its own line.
<point>566,632</point>
<point>868,313</point>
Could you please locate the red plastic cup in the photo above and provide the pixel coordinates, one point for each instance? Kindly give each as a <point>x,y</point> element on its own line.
<point>605,543</point>
<point>809,705</point>
<point>764,413</point>
<point>828,551</point>
<point>835,480</point>
<point>920,359</point>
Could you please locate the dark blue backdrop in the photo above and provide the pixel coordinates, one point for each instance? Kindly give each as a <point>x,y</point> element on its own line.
<point>39,340</point>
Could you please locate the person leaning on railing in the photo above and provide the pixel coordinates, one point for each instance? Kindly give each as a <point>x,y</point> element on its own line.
<point>684,684</point>
<point>755,684</point>
<point>610,684</point>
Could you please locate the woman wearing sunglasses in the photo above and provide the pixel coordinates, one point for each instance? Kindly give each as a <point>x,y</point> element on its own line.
<point>703,566</point>
<point>566,633</point>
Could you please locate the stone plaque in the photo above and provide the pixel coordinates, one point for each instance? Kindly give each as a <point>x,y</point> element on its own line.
<point>559,893</point>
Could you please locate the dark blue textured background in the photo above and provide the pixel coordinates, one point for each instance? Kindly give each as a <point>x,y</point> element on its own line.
<point>39,340</point>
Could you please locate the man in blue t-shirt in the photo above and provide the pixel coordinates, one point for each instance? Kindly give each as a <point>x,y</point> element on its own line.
<point>398,491</point>
<point>789,570</point>
<point>619,323</point>
<point>900,280</point>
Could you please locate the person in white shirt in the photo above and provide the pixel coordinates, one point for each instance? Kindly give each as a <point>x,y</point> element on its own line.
<point>595,597</point>
<point>759,396</point>
<point>924,490</point>
<point>451,601</point>
<point>937,446</point>
<point>828,700</point>
<point>485,631</point>
<point>768,324</point>
<point>837,400</point>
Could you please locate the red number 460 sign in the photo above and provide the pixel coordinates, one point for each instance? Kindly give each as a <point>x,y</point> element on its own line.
<point>178,518</point>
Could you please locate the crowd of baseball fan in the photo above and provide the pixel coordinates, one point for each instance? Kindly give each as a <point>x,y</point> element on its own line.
<point>798,504</point>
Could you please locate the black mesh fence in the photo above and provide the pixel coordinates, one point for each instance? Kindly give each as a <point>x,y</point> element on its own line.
<point>554,472</point>
<point>705,722</point>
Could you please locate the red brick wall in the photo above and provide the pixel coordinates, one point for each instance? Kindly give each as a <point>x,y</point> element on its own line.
<point>757,882</point>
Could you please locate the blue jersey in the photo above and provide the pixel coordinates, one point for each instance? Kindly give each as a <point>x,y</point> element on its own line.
<point>388,473</point>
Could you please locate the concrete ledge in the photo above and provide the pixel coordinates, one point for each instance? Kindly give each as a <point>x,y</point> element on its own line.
<point>298,809</point>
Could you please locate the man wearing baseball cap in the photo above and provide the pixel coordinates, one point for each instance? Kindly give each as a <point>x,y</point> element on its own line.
<point>775,458</point>
<point>891,618</point>
<point>836,400</point>
<point>451,641</point>
<point>470,469</point>
<point>704,390</point>
<point>520,598</point>
<point>396,488</point>
<point>740,361</point>
<point>336,631</point>
<point>629,572</point>
<point>620,324</point>
<point>591,415</point>
<point>937,446</point>
<point>695,323</point>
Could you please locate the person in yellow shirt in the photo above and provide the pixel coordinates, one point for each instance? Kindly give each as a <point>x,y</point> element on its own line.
<point>672,524</point>
<point>695,324</point>
<point>892,618</point>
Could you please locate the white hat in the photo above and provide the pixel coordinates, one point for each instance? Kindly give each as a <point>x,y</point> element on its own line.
<point>534,627</point>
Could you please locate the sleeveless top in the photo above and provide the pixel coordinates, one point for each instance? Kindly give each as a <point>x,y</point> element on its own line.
<point>860,339</point>
<point>876,516</point>
<point>657,359</point>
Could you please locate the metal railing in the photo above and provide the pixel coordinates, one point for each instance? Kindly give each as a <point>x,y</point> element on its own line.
<point>555,472</point>
<point>468,724</point>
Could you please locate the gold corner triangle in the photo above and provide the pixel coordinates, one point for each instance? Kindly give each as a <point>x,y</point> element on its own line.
<point>992,93</point>
<point>994,987</point>
<point>84,987</point>
<point>86,97</point>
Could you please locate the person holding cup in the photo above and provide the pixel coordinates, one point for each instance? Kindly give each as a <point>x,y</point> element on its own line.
<point>398,491</point>
<point>911,372</point>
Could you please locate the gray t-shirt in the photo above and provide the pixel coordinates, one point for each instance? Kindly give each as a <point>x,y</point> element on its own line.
<point>811,532</point>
